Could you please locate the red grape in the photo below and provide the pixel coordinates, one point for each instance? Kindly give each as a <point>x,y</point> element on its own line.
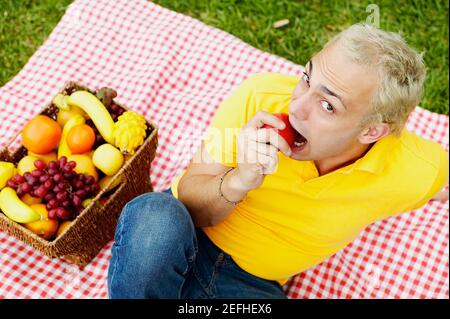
<point>52,214</point>
<point>54,202</point>
<point>49,197</point>
<point>62,161</point>
<point>66,203</point>
<point>62,213</point>
<point>30,179</point>
<point>18,179</point>
<point>62,185</point>
<point>89,180</point>
<point>71,164</point>
<point>52,171</point>
<point>40,192</point>
<point>10,183</point>
<point>58,177</point>
<point>78,184</point>
<point>95,188</point>
<point>19,192</point>
<point>81,193</point>
<point>69,176</point>
<point>40,165</point>
<point>37,173</point>
<point>48,184</point>
<point>52,165</point>
<point>26,188</point>
<point>61,196</point>
<point>43,178</point>
<point>67,168</point>
<point>76,201</point>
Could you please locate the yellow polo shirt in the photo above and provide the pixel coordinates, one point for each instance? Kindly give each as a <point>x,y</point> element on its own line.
<point>296,219</point>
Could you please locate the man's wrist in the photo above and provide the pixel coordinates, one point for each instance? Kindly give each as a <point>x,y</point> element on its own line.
<point>232,186</point>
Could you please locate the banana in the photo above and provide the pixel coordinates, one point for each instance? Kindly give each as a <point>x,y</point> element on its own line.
<point>7,170</point>
<point>15,209</point>
<point>60,101</point>
<point>63,148</point>
<point>96,111</point>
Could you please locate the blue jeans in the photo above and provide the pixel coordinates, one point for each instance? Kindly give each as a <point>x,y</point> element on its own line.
<point>158,253</point>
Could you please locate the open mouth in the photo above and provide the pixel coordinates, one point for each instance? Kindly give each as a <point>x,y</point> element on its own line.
<point>300,142</point>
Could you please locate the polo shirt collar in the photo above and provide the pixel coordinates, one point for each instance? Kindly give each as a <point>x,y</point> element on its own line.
<point>374,161</point>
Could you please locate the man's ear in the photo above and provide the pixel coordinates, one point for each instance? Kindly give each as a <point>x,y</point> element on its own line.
<point>373,133</point>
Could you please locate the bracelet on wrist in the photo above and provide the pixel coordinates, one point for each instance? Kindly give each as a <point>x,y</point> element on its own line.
<point>220,188</point>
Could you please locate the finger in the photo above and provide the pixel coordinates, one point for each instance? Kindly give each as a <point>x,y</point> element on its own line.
<point>265,161</point>
<point>272,137</point>
<point>262,117</point>
<point>266,149</point>
<point>268,163</point>
<point>263,154</point>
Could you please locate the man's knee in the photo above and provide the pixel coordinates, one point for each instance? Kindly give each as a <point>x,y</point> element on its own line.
<point>154,233</point>
<point>154,223</point>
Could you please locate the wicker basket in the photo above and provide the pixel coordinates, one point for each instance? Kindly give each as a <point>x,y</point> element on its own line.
<point>96,224</point>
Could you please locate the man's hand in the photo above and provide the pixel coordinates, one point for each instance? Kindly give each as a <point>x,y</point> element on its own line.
<point>258,149</point>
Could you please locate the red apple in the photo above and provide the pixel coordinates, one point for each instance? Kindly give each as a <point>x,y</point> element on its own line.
<point>288,133</point>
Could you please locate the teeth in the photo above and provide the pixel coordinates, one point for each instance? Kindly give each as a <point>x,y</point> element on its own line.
<point>298,144</point>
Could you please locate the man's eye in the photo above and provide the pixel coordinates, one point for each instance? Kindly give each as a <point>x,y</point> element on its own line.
<point>305,78</point>
<point>327,107</point>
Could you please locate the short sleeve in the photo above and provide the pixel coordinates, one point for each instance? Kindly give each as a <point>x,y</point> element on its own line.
<point>233,113</point>
<point>440,181</point>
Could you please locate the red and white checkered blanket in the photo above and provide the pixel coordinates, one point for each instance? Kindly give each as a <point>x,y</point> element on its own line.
<point>175,71</point>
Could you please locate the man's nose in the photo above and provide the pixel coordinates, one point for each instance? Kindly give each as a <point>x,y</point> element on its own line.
<point>301,107</point>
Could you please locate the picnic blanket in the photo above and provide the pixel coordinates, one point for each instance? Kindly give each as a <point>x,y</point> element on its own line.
<point>175,71</point>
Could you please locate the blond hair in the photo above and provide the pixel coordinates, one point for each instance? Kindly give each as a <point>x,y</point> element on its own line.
<point>400,70</point>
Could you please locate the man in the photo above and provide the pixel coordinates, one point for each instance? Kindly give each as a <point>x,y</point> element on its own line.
<point>250,211</point>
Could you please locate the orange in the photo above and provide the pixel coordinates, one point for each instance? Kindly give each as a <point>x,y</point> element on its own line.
<point>41,135</point>
<point>80,139</point>
<point>63,226</point>
<point>46,228</point>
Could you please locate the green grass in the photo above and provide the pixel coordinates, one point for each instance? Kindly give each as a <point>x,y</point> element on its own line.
<point>25,24</point>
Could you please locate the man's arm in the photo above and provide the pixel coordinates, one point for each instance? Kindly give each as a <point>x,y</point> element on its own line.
<point>198,189</point>
<point>257,154</point>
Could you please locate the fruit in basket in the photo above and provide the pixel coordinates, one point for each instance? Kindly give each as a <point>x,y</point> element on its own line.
<point>84,165</point>
<point>129,132</point>
<point>63,149</point>
<point>60,100</point>
<point>14,208</point>
<point>41,134</point>
<point>7,170</point>
<point>59,187</point>
<point>44,227</point>
<point>96,111</point>
<point>63,226</point>
<point>115,111</point>
<point>106,180</point>
<point>80,139</point>
<point>26,164</point>
<point>52,156</point>
<point>108,159</point>
<point>30,200</point>
<point>106,95</point>
<point>87,202</point>
<point>63,116</point>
